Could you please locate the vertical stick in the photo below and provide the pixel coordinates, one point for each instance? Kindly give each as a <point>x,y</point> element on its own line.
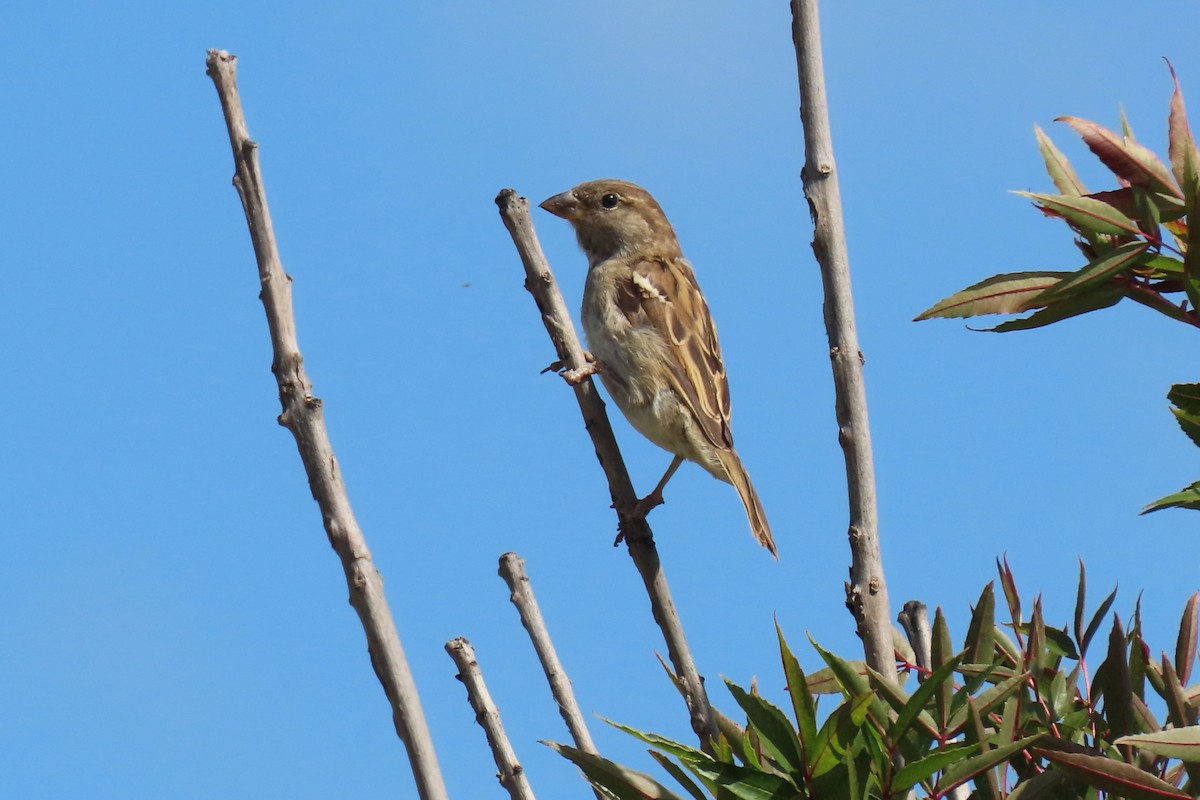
<point>303,417</point>
<point>512,774</point>
<point>866,592</point>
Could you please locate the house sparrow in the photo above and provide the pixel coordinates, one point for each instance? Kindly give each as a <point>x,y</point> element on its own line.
<point>652,337</point>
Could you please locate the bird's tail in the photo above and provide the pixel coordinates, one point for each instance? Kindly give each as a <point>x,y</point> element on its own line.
<point>754,510</point>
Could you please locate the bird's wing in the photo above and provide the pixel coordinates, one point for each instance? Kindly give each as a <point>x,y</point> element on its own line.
<point>664,295</point>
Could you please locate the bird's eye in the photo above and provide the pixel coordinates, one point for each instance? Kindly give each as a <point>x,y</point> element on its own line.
<point>609,201</point>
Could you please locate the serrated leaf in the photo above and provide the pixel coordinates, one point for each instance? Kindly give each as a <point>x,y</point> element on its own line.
<point>622,782</point>
<point>1008,293</point>
<point>774,731</point>
<point>1100,297</point>
<point>1188,497</point>
<point>1181,743</point>
<point>1058,167</point>
<point>1186,399</point>
<point>1113,776</point>
<point>1084,213</point>
<point>1109,265</point>
<point>686,754</point>
<point>1143,205</point>
<point>1127,159</point>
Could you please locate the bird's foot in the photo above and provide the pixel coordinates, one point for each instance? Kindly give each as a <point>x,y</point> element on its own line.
<point>574,377</point>
<point>637,514</point>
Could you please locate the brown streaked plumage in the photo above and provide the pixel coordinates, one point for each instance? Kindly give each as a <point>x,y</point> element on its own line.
<point>650,331</point>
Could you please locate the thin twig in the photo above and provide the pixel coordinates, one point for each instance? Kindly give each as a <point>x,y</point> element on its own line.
<point>302,415</point>
<point>514,210</point>
<point>512,570</point>
<point>512,774</point>
<point>866,592</point>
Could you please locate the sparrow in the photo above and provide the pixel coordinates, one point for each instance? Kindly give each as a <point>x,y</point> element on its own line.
<point>651,336</point>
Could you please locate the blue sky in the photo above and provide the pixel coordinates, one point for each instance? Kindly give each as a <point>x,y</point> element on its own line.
<point>172,621</point>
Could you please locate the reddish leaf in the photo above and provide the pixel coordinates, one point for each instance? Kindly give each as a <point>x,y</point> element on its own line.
<point>1057,165</point>
<point>1185,645</point>
<point>1179,134</point>
<point>1084,213</point>
<point>1112,263</point>
<point>1008,293</point>
<point>1111,775</point>
<point>1128,159</point>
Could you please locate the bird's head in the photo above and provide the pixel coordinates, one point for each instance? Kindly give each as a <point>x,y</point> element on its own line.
<point>611,216</point>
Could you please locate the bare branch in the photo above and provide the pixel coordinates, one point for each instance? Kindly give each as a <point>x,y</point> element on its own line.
<point>514,210</point>
<point>303,417</point>
<point>512,774</point>
<point>512,570</point>
<point>866,593</point>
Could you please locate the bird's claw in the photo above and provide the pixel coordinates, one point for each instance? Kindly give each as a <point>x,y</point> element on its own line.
<point>574,377</point>
<point>637,514</point>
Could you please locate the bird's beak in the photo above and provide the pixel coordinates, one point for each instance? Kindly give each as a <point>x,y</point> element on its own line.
<point>565,205</point>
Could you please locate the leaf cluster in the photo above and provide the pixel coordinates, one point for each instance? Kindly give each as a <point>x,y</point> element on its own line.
<point>1009,715</point>
<point>1141,241</point>
<point>1135,237</point>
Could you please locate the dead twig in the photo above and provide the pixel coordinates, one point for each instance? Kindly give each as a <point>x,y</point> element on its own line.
<point>303,417</point>
<point>512,774</point>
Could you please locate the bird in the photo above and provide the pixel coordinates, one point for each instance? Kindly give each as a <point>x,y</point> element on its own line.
<point>651,336</point>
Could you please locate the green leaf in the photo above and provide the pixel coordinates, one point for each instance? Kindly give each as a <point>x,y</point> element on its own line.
<point>1181,743</point>
<point>678,773</point>
<point>987,787</point>
<point>922,770</point>
<point>802,700</point>
<point>1187,497</point>
<point>1058,167</point>
<point>744,783</point>
<point>774,730</point>
<point>1111,775</point>
<point>686,754</point>
<point>1008,293</point>
<point>1097,618</point>
<point>1084,213</point>
<point>1114,262</point>
<point>1185,644</point>
<point>1129,160</point>
<point>622,782</point>
<point>980,643</point>
<point>937,681</point>
<point>988,700</point>
<point>1101,297</point>
<point>1186,399</point>
<point>968,768</point>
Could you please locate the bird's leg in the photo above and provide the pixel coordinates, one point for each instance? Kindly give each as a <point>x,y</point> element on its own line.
<point>643,506</point>
<point>655,497</point>
<point>574,377</point>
